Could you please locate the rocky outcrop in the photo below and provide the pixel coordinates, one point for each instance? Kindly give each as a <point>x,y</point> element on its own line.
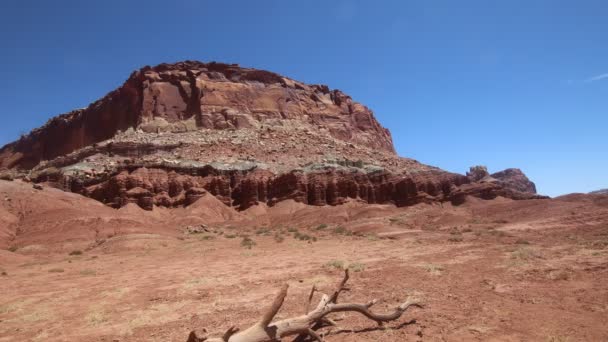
<point>171,186</point>
<point>515,179</point>
<point>243,189</point>
<point>192,95</point>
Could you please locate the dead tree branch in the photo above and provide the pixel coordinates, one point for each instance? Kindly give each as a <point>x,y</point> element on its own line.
<point>305,326</point>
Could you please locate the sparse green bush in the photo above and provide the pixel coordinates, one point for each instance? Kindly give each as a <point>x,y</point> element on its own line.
<point>56,270</point>
<point>229,236</point>
<point>292,229</point>
<point>76,252</point>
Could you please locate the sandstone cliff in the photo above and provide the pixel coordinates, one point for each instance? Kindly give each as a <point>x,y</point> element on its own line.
<point>190,95</point>
<point>173,132</point>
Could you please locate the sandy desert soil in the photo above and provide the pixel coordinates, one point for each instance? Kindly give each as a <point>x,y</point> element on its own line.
<point>500,270</point>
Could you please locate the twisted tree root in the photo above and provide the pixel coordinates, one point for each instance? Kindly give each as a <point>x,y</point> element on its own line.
<point>305,326</point>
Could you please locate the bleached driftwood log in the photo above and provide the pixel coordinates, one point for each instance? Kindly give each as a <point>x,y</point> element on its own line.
<point>306,326</point>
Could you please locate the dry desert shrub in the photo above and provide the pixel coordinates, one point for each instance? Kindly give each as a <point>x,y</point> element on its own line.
<point>343,265</point>
<point>247,242</point>
<point>433,269</point>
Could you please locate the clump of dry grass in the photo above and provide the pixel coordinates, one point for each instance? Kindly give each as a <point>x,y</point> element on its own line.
<point>96,317</point>
<point>356,266</point>
<point>433,269</point>
<point>321,226</point>
<point>342,231</point>
<point>88,272</point>
<point>264,231</point>
<point>206,237</point>
<point>339,264</point>
<point>524,253</point>
<point>342,265</point>
<point>303,237</point>
<point>456,238</point>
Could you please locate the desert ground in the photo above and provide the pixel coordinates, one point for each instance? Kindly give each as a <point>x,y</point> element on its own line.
<point>499,270</point>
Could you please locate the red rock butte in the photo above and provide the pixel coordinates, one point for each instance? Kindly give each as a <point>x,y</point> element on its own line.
<point>173,132</point>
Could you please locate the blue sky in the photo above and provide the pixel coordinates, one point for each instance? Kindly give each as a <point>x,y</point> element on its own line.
<point>459,83</point>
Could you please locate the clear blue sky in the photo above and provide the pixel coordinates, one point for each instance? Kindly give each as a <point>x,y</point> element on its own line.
<point>501,83</point>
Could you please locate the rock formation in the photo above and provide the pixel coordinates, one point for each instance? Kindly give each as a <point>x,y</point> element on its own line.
<point>174,132</point>
<point>190,95</point>
<point>515,179</point>
<point>512,179</point>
